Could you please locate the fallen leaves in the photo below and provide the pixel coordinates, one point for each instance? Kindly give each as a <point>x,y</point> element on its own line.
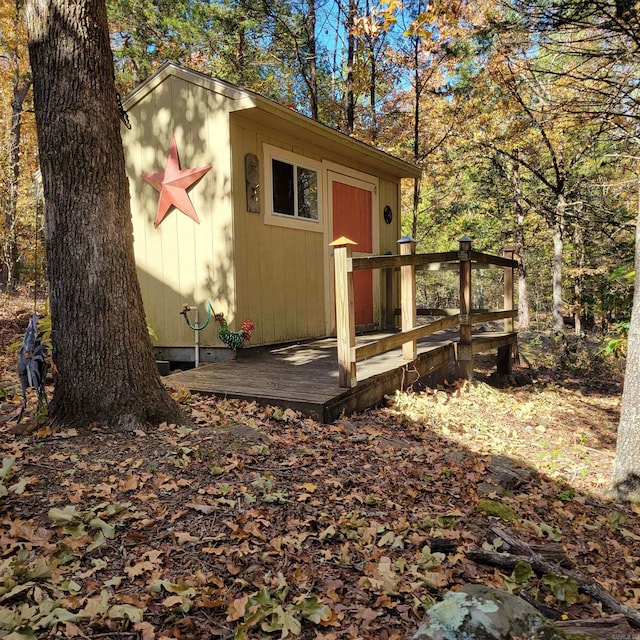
<point>264,524</point>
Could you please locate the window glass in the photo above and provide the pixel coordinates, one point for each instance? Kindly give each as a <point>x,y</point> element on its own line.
<point>307,193</point>
<point>283,194</point>
<point>293,187</point>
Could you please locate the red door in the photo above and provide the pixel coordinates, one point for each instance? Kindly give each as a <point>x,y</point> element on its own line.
<point>352,218</point>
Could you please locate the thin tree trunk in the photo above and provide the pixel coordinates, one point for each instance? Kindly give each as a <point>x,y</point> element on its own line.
<point>626,476</point>
<point>19,96</point>
<point>241,61</point>
<point>373,77</point>
<point>578,243</point>
<point>101,344</point>
<point>520,246</point>
<point>372,90</point>
<point>558,249</point>
<point>21,87</point>
<point>351,52</point>
<point>416,132</point>
<point>416,207</point>
<point>524,319</point>
<point>312,60</point>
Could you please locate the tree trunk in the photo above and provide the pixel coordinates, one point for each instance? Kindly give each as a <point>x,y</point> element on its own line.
<point>558,248</point>
<point>626,476</point>
<point>101,344</point>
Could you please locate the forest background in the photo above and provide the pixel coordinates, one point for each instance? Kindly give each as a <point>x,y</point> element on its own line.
<point>522,117</point>
<point>524,120</point>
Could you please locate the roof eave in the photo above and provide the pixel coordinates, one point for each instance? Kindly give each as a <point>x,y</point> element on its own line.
<point>402,168</point>
<point>195,77</point>
<point>245,100</point>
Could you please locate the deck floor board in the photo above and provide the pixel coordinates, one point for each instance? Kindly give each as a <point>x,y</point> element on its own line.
<point>305,375</point>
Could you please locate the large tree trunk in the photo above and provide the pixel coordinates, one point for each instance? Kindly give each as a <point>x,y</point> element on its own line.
<point>101,344</point>
<point>626,477</point>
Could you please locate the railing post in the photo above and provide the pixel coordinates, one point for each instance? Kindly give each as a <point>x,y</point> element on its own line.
<point>505,353</point>
<point>465,352</point>
<point>390,299</point>
<point>408,297</point>
<point>345,311</point>
<point>507,252</point>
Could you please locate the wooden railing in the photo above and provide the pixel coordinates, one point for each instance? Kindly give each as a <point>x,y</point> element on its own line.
<point>408,261</point>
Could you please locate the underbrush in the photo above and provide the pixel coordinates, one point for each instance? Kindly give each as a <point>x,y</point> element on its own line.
<point>584,356</point>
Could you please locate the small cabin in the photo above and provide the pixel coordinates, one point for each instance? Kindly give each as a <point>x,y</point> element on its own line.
<point>235,200</point>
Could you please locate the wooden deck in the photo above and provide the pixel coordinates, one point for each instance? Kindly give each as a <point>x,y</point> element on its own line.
<point>304,376</point>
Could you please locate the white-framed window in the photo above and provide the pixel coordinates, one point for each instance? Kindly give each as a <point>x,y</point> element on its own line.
<point>293,189</point>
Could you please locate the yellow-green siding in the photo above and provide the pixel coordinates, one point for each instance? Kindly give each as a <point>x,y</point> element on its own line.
<point>279,270</point>
<point>181,262</point>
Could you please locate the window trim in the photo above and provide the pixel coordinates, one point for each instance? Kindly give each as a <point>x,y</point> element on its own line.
<point>282,219</point>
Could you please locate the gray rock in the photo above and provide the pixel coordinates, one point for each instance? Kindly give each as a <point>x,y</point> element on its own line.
<point>479,612</point>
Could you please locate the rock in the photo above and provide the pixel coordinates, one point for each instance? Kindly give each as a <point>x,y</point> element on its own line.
<point>507,473</point>
<point>479,612</point>
<point>488,488</point>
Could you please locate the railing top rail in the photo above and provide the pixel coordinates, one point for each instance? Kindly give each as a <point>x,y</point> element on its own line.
<point>390,261</point>
<point>488,258</point>
<point>426,259</point>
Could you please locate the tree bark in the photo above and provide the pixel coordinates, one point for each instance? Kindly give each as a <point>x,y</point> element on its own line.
<point>101,345</point>
<point>626,476</point>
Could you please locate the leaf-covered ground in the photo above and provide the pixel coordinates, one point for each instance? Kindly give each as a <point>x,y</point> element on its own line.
<point>260,523</point>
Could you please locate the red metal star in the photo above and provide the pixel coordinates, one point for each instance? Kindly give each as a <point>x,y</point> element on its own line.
<point>172,184</point>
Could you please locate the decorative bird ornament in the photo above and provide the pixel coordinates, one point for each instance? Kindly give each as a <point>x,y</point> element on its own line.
<point>234,339</point>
